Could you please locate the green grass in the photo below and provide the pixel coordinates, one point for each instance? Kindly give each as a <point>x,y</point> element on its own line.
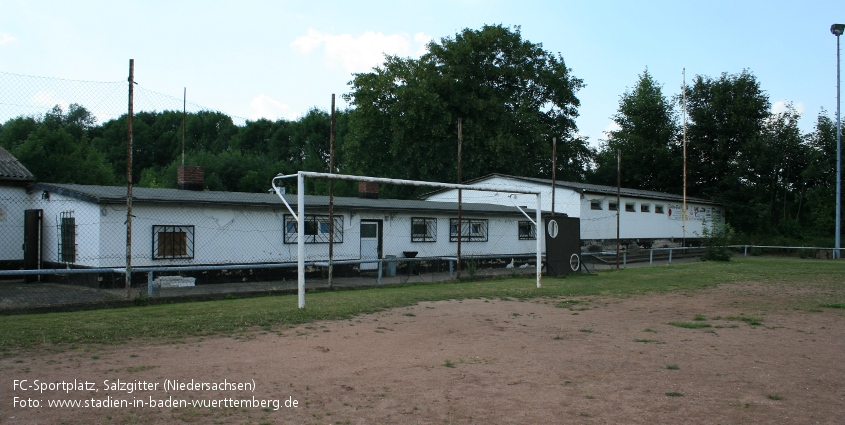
<point>691,325</point>
<point>233,317</point>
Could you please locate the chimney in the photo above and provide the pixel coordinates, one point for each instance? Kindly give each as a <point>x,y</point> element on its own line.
<point>191,177</point>
<point>368,190</point>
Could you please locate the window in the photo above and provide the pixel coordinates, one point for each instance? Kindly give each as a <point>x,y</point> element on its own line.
<point>171,242</point>
<point>317,229</point>
<point>630,207</point>
<point>658,209</point>
<point>645,207</point>
<point>67,237</point>
<point>472,230</point>
<point>527,231</point>
<point>595,204</point>
<point>423,229</point>
<point>612,206</point>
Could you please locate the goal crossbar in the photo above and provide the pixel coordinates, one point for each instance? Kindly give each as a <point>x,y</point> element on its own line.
<point>300,213</point>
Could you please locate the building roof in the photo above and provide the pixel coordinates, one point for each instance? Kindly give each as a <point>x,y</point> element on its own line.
<point>12,170</point>
<point>143,195</point>
<point>591,188</point>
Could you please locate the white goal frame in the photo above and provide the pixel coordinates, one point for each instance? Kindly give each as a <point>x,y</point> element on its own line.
<point>300,213</point>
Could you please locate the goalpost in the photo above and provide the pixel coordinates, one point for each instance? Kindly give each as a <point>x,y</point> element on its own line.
<point>299,215</point>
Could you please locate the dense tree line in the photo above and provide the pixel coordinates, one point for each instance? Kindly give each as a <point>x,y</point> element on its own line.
<point>774,181</point>
<point>513,98</point>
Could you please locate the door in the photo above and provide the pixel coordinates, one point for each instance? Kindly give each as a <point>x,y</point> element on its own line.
<point>32,242</point>
<point>370,243</point>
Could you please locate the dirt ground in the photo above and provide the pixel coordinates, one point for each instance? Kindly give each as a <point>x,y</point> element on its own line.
<point>578,360</point>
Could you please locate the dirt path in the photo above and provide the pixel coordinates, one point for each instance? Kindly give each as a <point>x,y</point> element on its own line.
<point>585,360</point>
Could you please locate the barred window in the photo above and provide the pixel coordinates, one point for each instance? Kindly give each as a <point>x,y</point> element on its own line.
<point>472,230</point>
<point>171,242</point>
<point>595,204</point>
<point>658,209</point>
<point>423,229</point>
<point>317,229</point>
<point>613,206</point>
<point>67,237</point>
<point>645,208</point>
<point>527,231</point>
<point>630,207</point>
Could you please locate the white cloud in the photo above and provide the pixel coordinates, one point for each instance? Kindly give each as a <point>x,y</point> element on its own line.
<point>264,106</point>
<point>361,53</point>
<point>780,106</point>
<point>6,38</point>
<point>48,99</point>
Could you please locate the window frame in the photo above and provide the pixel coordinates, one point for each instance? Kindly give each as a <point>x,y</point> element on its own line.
<point>646,208</point>
<point>430,234</point>
<point>317,229</point>
<point>188,253</point>
<point>612,206</point>
<point>596,205</point>
<point>469,224</point>
<point>531,235</point>
<point>67,237</point>
<point>658,209</point>
<point>630,207</point>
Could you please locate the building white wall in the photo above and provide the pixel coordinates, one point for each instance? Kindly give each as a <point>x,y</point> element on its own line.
<point>241,235</point>
<point>567,201</point>
<point>601,224</point>
<point>598,225</point>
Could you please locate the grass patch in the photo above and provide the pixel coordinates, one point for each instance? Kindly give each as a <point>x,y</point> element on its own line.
<point>674,394</point>
<point>164,323</point>
<point>691,325</point>
<point>648,341</point>
<point>672,367</point>
<point>775,397</point>
<point>448,363</point>
<point>832,305</point>
<point>750,320</point>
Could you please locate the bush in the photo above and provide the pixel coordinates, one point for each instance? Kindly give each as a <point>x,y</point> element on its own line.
<point>716,240</point>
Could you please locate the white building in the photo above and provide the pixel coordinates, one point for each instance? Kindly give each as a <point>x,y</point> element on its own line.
<point>645,216</point>
<point>84,226</point>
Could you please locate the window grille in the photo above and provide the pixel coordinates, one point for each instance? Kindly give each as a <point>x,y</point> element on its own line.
<point>472,230</point>
<point>527,231</point>
<point>173,242</point>
<point>67,237</point>
<point>423,229</point>
<point>317,229</point>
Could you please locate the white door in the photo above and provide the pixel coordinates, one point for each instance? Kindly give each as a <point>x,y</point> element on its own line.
<point>369,244</point>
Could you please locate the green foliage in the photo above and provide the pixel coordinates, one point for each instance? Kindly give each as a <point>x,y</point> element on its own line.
<point>648,138</point>
<point>513,97</point>
<point>717,238</point>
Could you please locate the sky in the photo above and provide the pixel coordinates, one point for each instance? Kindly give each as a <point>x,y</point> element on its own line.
<point>278,59</point>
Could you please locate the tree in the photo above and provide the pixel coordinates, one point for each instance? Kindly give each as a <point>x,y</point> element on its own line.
<point>647,136</point>
<point>727,116</point>
<point>59,150</point>
<point>820,176</point>
<point>512,96</point>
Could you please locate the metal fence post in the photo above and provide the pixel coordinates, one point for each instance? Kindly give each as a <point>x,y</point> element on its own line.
<point>150,284</point>
<point>650,256</point>
<point>670,255</point>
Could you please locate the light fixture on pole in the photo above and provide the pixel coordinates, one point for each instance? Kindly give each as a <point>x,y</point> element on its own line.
<point>837,30</point>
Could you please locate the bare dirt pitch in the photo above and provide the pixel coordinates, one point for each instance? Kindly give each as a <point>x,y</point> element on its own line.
<point>578,360</point>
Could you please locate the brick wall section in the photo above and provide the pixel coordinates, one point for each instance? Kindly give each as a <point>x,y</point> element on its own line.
<point>191,177</point>
<point>368,190</point>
